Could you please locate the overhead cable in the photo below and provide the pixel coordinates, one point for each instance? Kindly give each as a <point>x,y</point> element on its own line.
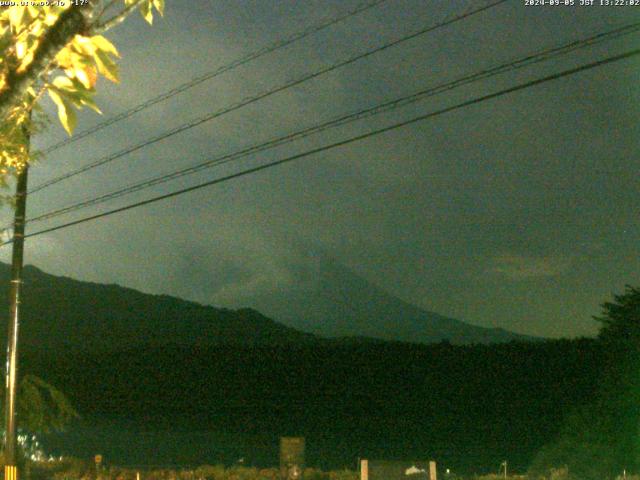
<point>277,45</point>
<point>341,143</point>
<point>512,65</point>
<point>253,99</point>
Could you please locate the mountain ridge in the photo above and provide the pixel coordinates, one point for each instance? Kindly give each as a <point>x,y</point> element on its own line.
<point>333,301</point>
<point>59,312</point>
<point>63,313</point>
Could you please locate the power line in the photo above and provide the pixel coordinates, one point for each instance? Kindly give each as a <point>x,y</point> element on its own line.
<point>341,143</point>
<point>247,101</point>
<point>528,60</point>
<point>277,45</point>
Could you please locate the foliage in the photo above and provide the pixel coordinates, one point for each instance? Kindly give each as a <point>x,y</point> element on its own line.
<point>55,48</point>
<point>621,318</point>
<point>77,469</point>
<point>441,401</point>
<point>315,474</point>
<point>463,404</point>
<point>600,439</point>
<point>494,476</point>
<point>41,406</point>
<point>63,468</point>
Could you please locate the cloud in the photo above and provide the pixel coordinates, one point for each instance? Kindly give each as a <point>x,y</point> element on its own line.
<point>522,267</point>
<point>240,261</point>
<point>36,249</point>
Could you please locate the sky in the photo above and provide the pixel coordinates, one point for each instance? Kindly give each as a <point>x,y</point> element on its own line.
<point>520,212</point>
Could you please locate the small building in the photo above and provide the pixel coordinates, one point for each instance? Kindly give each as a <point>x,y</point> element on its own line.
<point>397,470</point>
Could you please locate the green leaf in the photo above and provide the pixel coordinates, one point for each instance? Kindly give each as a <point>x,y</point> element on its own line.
<point>66,112</point>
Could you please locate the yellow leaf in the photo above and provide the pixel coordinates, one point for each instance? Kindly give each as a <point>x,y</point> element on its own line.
<point>63,83</point>
<point>65,58</point>
<point>105,45</point>
<point>17,17</point>
<point>50,18</point>
<point>84,72</point>
<point>74,92</point>
<point>159,4</point>
<point>83,45</point>
<point>89,102</point>
<point>66,113</point>
<point>92,74</point>
<point>33,11</point>
<point>26,61</point>
<point>145,10</point>
<point>106,66</point>
<point>21,49</point>
<point>37,28</point>
<point>82,76</point>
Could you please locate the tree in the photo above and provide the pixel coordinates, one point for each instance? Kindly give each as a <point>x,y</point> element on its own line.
<point>621,318</point>
<point>42,408</point>
<point>54,47</point>
<point>600,439</point>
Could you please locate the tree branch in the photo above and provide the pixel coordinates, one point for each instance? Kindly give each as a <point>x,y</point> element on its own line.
<point>74,20</point>
<point>105,8</point>
<point>116,19</point>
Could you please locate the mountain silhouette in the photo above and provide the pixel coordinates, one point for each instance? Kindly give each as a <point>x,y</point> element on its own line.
<point>330,300</point>
<point>62,313</point>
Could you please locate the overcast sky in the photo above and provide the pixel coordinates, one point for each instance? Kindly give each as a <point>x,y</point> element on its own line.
<point>519,212</point>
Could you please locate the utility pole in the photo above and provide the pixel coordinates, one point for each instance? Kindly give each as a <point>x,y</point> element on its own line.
<point>10,443</point>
